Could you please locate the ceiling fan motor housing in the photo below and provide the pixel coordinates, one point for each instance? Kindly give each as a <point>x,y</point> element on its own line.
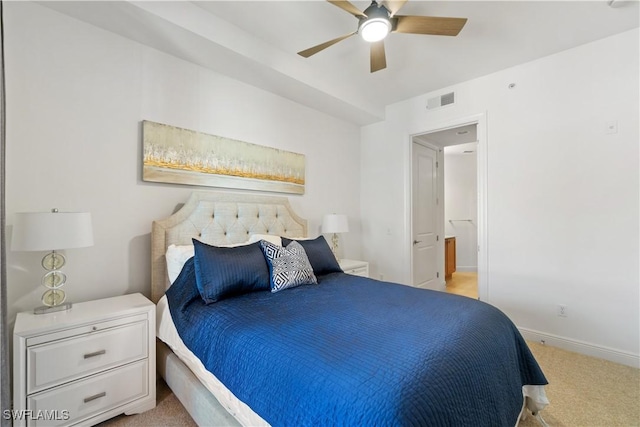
<point>376,24</point>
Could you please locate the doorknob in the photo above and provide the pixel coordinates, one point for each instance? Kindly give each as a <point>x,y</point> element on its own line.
<point>415,242</point>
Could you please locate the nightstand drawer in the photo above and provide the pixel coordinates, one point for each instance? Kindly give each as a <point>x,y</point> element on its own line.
<point>355,267</point>
<point>360,271</point>
<point>90,396</point>
<point>65,360</point>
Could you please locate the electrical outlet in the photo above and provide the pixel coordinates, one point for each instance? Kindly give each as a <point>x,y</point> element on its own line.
<point>562,310</point>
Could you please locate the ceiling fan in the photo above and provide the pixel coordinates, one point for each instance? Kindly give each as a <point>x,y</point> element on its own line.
<point>380,19</point>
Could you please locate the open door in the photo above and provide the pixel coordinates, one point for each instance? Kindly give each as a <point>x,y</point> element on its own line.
<point>426,258</point>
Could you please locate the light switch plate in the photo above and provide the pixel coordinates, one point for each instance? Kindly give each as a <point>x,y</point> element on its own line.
<point>611,127</point>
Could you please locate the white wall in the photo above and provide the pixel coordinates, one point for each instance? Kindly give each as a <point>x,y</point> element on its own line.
<point>461,203</point>
<point>562,200</point>
<point>76,96</point>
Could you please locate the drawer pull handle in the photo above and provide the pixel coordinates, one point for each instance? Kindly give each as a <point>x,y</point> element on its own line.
<point>94,397</point>
<point>94,354</point>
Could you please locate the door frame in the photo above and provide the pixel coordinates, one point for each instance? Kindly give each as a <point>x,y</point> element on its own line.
<point>480,120</point>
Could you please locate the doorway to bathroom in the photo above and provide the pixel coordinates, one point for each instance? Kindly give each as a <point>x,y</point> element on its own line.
<point>457,208</point>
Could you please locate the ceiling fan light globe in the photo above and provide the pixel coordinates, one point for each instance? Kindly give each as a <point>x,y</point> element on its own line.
<point>375,29</point>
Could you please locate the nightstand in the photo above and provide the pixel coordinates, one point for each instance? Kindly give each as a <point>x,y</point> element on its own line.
<point>85,365</point>
<point>357,268</point>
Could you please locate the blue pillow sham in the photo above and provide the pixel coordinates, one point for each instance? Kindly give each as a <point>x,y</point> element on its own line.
<point>288,266</point>
<point>319,253</point>
<point>224,272</point>
<point>184,288</point>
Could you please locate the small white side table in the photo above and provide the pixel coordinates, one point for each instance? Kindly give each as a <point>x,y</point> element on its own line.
<point>357,268</point>
<point>85,365</point>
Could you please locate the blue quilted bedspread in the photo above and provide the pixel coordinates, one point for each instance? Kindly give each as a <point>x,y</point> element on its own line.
<point>359,352</point>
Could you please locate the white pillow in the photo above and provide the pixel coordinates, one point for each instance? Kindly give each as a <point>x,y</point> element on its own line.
<point>176,257</point>
<point>276,240</point>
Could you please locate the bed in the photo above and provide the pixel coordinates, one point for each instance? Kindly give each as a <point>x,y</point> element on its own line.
<point>345,351</point>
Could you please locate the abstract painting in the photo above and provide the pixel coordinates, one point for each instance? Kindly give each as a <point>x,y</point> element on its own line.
<point>181,156</point>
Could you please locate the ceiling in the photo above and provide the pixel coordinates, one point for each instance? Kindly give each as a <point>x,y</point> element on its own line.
<point>256,42</point>
<point>454,140</point>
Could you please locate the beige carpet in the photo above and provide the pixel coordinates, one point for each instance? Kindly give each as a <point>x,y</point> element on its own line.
<point>168,412</point>
<point>583,392</point>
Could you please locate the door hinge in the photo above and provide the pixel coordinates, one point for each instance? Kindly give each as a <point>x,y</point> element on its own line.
<point>437,238</point>
<point>438,275</point>
<point>437,164</point>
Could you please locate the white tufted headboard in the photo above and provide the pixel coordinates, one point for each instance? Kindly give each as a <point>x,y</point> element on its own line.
<point>219,219</point>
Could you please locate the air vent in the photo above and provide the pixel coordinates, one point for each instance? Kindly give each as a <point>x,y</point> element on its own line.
<point>446,99</point>
<point>441,101</point>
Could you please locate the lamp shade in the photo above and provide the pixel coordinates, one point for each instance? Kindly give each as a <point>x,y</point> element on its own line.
<point>46,231</point>
<point>335,223</point>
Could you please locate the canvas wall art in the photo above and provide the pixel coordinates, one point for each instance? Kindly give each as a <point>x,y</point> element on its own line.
<point>182,156</point>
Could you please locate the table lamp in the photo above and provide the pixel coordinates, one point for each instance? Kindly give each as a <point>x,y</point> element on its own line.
<point>52,231</point>
<point>335,223</point>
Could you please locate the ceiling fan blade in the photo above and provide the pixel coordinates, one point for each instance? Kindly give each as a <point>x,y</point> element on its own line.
<point>429,25</point>
<point>393,6</point>
<point>345,5</point>
<point>378,57</point>
<point>313,50</point>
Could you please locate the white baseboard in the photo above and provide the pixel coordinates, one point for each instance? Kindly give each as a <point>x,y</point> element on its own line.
<point>606,353</point>
<point>467,268</point>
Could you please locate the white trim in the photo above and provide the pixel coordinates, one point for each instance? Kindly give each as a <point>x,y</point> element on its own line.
<point>408,212</point>
<point>582,347</point>
<point>480,120</point>
<point>482,163</point>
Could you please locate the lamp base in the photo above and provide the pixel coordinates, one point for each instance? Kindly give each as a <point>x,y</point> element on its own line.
<point>46,309</point>
<point>334,246</point>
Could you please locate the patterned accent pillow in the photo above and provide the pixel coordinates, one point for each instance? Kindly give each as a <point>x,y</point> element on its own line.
<point>288,267</point>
